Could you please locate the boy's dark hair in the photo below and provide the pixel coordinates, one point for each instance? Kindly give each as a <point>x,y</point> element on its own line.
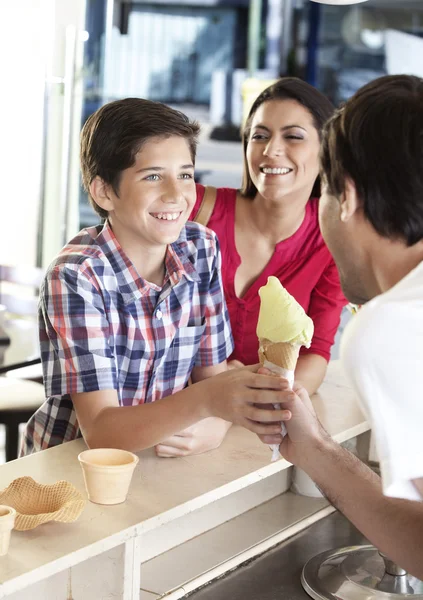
<point>376,140</point>
<point>287,88</point>
<point>115,133</point>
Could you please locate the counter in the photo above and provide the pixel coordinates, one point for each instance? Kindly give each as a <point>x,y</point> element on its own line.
<point>99,555</point>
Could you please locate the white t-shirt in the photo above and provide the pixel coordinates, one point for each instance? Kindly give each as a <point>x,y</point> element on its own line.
<point>382,353</point>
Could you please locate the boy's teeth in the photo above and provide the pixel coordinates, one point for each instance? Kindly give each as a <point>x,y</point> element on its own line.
<point>167,216</point>
<point>269,171</point>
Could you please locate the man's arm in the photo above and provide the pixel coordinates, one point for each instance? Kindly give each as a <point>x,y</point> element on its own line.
<point>394,526</point>
<point>233,396</point>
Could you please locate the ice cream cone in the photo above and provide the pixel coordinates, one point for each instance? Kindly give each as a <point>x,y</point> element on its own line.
<point>282,328</point>
<point>282,354</point>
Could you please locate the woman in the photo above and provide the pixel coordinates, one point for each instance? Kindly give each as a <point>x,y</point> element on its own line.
<point>270,226</point>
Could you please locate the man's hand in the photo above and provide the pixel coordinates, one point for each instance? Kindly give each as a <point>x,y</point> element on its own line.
<point>205,435</point>
<point>303,427</point>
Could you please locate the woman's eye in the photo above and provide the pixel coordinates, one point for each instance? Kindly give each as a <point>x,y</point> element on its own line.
<point>294,137</point>
<point>153,177</point>
<point>186,176</point>
<point>258,136</point>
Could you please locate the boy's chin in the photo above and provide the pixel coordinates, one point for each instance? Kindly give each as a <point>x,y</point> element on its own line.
<point>172,237</point>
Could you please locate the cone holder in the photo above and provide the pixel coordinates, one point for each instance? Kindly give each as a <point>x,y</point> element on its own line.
<point>358,573</point>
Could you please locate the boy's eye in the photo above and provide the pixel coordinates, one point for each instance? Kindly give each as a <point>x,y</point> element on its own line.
<point>153,177</point>
<point>186,176</point>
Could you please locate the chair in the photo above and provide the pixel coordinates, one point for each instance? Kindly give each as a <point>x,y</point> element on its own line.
<point>21,392</point>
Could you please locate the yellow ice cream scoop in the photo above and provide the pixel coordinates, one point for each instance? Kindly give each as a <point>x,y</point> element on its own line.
<point>281,318</point>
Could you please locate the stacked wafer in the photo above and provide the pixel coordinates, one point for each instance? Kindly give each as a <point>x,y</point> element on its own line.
<point>282,328</point>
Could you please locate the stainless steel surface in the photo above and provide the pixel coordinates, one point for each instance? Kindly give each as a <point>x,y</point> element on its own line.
<point>276,574</point>
<point>392,568</point>
<point>357,573</point>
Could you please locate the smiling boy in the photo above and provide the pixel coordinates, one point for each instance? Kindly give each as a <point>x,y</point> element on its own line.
<point>131,309</point>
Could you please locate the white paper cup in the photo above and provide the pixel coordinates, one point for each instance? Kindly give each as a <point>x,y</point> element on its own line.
<point>7,521</point>
<point>107,474</point>
<point>303,485</point>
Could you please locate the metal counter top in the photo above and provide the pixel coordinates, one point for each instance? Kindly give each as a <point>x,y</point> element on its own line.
<point>276,575</point>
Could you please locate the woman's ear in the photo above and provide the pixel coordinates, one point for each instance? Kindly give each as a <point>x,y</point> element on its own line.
<point>100,193</point>
<point>349,201</point>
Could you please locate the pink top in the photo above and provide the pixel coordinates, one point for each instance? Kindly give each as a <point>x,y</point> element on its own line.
<point>303,265</point>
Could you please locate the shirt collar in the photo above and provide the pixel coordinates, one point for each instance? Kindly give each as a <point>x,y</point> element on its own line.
<point>179,264</point>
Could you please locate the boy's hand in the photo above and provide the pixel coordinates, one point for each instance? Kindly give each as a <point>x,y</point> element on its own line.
<point>243,396</point>
<point>203,436</point>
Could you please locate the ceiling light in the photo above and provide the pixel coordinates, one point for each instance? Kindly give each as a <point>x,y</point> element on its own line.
<point>339,2</point>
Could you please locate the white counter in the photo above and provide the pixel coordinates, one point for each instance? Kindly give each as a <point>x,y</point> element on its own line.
<point>104,546</point>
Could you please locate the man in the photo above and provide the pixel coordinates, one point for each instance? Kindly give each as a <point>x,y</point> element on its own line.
<point>371,215</point>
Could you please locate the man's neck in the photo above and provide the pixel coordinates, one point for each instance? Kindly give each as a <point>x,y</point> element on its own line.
<point>393,262</point>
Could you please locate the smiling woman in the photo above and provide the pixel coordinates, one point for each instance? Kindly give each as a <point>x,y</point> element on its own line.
<point>270,226</point>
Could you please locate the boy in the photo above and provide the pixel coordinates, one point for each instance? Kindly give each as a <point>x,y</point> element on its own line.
<point>131,309</point>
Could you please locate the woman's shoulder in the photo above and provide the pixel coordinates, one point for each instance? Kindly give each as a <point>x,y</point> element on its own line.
<point>221,191</point>
<point>225,199</point>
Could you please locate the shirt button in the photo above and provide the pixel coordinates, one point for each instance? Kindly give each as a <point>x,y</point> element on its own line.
<point>159,314</point>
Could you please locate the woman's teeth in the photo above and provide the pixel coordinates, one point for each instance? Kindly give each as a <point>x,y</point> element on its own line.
<point>282,171</point>
<point>167,216</point>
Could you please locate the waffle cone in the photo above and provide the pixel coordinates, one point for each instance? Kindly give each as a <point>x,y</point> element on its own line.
<point>36,503</point>
<point>279,353</point>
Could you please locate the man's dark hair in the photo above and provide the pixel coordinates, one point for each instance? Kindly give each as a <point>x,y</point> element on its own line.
<point>116,132</point>
<point>376,140</point>
<point>287,88</point>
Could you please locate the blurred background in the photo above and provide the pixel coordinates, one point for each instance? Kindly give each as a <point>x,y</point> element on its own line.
<point>63,59</point>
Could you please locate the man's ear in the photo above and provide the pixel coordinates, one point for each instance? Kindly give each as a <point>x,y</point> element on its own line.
<point>349,201</point>
<point>100,193</point>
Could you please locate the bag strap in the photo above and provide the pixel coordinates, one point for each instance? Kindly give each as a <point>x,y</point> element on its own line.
<point>207,206</point>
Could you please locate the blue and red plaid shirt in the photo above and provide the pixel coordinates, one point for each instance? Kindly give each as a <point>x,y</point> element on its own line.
<point>104,327</point>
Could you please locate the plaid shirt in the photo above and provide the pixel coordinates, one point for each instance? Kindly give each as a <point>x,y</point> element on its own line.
<point>104,327</point>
